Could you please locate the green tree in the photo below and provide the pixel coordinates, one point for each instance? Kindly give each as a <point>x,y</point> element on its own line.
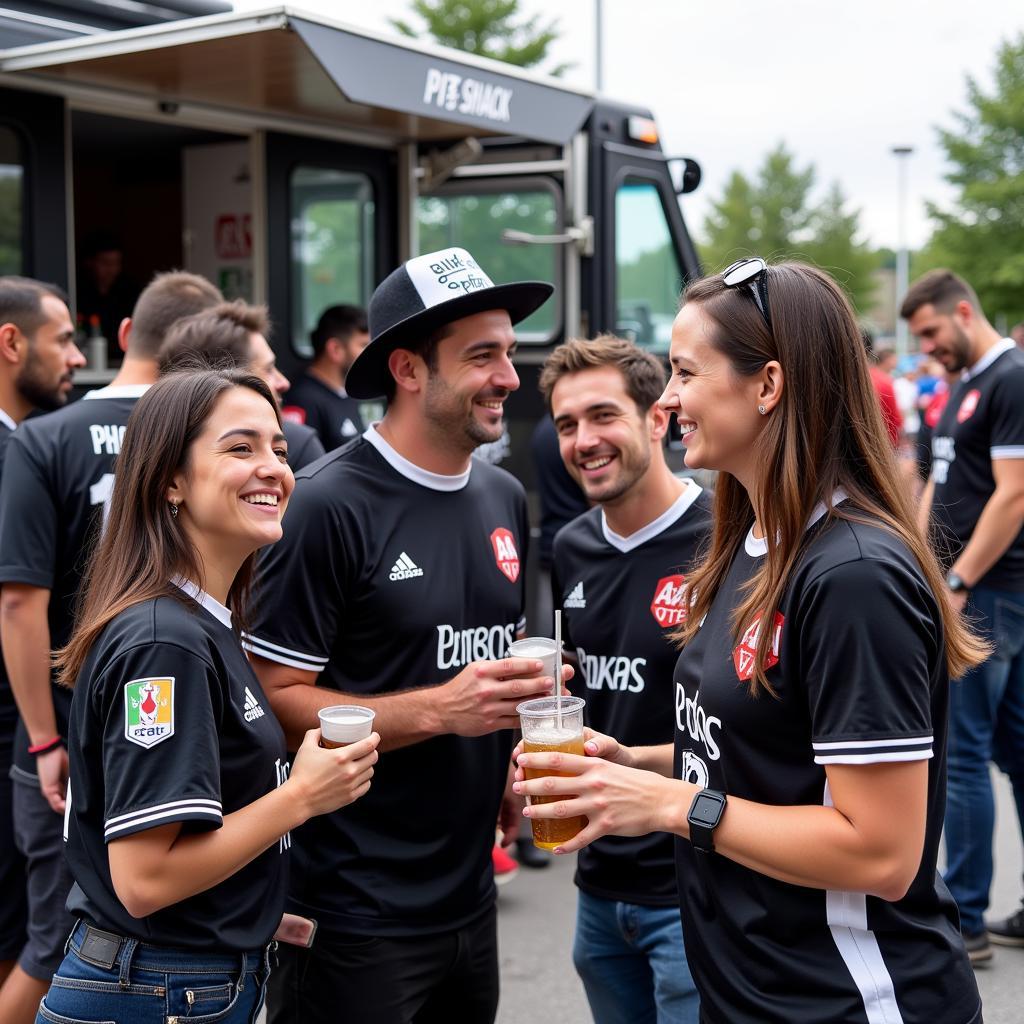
<point>773,215</point>
<point>488,28</point>
<point>981,236</point>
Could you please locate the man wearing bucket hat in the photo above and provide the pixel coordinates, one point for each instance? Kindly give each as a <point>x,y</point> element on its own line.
<point>399,585</point>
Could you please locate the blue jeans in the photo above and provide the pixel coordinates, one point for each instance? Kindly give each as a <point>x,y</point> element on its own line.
<point>986,723</point>
<point>632,963</point>
<point>152,985</point>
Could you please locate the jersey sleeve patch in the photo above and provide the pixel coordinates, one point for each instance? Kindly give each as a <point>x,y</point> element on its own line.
<point>190,809</point>
<point>283,655</point>
<point>149,710</point>
<point>904,748</point>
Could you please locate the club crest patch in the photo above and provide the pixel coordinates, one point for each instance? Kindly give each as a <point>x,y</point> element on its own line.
<point>505,552</point>
<point>149,710</point>
<point>967,406</point>
<point>669,605</point>
<point>744,654</point>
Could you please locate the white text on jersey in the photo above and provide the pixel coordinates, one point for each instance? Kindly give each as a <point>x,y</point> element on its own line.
<point>281,769</point>
<point>456,648</point>
<point>691,719</point>
<point>610,672</point>
<point>106,438</point>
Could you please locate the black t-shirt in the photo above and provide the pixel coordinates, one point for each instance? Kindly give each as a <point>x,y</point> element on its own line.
<point>857,662</point>
<point>982,421</point>
<point>621,597</point>
<point>169,724</point>
<point>304,444</point>
<point>390,578</point>
<point>58,477</point>
<point>334,415</point>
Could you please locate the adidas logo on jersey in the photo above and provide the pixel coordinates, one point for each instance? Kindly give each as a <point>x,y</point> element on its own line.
<point>576,598</point>
<point>404,569</point>
<point>252,706</point>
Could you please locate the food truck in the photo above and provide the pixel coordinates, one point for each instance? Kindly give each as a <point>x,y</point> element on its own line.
<point>295,160</point>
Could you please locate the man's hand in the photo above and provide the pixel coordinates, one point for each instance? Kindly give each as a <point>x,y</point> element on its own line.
<point>482,698</point>
<point>52,768</point>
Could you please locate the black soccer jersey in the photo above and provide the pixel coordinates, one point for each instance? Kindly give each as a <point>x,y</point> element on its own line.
<point>169,724</point>
<point>621,597</point>
<point>983,421</point>
<point>332,414</point>
<point>58,477</point>
<point>304,444</point>
<point>857,663</point>
<point>388,578</point>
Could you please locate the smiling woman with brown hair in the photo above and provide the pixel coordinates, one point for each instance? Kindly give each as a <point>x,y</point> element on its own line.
<point>180,802</point>
<point>807,779</point>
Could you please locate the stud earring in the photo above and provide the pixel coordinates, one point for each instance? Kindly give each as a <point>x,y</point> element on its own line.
<point>762,410</point>
<point>174,509</point>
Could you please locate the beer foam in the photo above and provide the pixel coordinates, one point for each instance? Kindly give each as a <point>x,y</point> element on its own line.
<point>534,651</point>
<point>547,732</point>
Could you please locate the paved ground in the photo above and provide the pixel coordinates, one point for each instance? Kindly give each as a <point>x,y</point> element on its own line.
<point>536,913</point>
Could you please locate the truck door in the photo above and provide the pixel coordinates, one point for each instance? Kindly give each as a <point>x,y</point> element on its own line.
<point>647,254</point>
<point>331,232</point>
<point>33,208</point>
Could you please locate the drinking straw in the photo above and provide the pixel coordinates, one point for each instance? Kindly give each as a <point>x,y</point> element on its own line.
<point>558,668</point>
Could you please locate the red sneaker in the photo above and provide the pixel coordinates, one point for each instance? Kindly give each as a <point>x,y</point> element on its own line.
<point>505,868</point>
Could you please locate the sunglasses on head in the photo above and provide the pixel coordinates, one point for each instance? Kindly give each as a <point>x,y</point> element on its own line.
<point>753,274</point>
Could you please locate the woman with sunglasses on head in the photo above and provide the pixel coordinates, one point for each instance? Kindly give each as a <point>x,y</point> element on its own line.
<point>180,801</point>
<point>807,780</point>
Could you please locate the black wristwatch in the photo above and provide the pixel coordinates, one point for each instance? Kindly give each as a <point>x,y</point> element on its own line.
<point>955,584</point>
<point>705,813</point>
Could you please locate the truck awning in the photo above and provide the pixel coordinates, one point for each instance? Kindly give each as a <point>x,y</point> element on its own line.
<point>293,64</point>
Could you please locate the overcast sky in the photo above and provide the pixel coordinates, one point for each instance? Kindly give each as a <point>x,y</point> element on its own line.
<point>839,83</point>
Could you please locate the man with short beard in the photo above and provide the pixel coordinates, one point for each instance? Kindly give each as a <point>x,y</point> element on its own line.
<point>975,498</point>
<point>38,357</point>
<point>399,585</point>
<point>618,572</point>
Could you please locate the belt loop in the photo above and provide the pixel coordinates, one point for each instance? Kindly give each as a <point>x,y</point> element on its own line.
<point>71,935</point>
<point>127,955</point>
<point>241,977</point>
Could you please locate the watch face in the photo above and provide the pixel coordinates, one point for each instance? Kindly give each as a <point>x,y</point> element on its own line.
<point>706,810</point>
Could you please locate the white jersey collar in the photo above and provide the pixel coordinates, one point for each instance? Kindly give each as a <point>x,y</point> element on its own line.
<point>417,474</point>
<point>756,547</point>
<point>7,421</point>
<point>122,391</point>
<point>211,604</point>
<point>988,358</point>
<point>655,526</point>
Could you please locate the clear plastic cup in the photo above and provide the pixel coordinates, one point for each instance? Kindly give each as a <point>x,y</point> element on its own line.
<point>342,724</point>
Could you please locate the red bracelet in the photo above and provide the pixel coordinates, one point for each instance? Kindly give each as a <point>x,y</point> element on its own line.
<point>44,748</point>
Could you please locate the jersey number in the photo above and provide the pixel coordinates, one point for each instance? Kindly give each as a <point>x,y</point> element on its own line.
<point>101,492</point>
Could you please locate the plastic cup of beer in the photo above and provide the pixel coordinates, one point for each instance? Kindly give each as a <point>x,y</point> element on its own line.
<point>342,724</point>
<point>542,734</point>
<point>541,648</point>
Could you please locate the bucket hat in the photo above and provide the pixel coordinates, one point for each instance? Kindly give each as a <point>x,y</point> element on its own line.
<point>424,294</point>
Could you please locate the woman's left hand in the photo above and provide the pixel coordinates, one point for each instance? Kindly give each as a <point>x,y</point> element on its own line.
<point>615,799</point>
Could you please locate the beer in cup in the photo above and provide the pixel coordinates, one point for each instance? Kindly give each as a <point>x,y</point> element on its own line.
<point>542,734</point>
<point>540,648</point>
<point>342,724</point>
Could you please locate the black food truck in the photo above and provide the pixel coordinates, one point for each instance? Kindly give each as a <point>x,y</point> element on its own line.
<point>294,161</point>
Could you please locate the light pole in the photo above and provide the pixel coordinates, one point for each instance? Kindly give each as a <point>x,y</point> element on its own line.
<point>598,46</point>
<point>902,255</point>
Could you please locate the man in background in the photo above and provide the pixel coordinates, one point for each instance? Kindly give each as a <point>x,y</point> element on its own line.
<point>318,398</point>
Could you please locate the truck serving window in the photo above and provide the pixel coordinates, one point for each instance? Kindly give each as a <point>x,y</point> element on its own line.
<point>649,277</point>
<point>474,218</point>
<point>11,201</point>
<point>332,228</point>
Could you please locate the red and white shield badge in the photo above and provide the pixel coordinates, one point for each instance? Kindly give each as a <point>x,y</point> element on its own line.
<point>967,406</point>
<point>505,552</point>
<point>668,606</point>
<point>743,656</point>
<point>293,413</point>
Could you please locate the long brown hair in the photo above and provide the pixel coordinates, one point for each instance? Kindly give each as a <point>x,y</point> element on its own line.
<point>826,433</point>
<point>143,548</point>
